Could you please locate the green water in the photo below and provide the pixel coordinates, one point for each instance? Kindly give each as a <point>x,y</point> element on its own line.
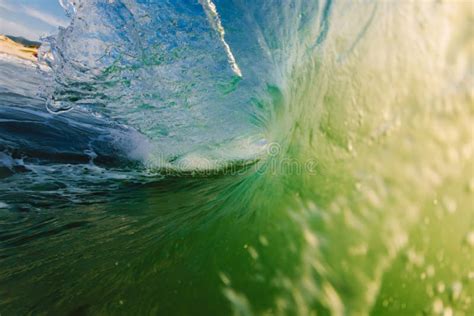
<point>362,203</point>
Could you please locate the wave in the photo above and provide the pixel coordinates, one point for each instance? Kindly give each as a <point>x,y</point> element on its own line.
<point>349,125</point>
<point>167,70</point>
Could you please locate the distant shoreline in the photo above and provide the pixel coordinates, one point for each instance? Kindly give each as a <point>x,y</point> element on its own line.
<point>19,47</point>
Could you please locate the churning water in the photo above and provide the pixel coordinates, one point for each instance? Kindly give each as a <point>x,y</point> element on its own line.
<point>271,157</point>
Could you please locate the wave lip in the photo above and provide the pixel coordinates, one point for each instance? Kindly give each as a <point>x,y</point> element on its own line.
<point>164,69</point>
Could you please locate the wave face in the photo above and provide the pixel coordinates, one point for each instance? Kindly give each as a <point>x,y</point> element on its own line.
<point>274,157</point>
<point>164,68</point>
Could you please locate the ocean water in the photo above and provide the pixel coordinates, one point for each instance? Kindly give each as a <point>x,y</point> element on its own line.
<point>235,157</point>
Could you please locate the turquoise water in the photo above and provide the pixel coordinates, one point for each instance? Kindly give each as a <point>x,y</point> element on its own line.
<point>237,157</point>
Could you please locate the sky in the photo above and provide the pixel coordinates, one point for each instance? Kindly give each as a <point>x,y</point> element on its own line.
<point>31,18</point>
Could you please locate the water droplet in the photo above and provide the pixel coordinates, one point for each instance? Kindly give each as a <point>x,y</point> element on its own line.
<point>440,287</point>
<point>430,271</point>
<point>470,238</point>
<point>438,306</point>
<point>415,258</point>
<point>224,278</point>
<point>263,240</point>
<point>350,148</point>
<point>456,290</point>
<point>253,253</point>
<point>448,311</point>
<point>310,238</point>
